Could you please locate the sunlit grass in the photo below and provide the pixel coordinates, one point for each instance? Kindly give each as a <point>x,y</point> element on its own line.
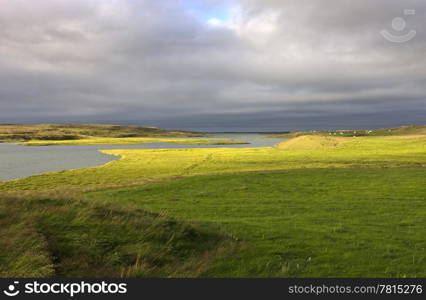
<point>141,166</point>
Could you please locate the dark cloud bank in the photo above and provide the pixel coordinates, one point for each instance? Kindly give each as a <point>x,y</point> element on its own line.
<point>212,65</point>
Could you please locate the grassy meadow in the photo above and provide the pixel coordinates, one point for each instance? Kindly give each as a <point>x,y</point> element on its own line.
<point>303,223</point>
<point>313,206</point>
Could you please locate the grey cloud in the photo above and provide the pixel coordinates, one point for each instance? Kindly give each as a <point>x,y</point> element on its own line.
<point>286,64</point>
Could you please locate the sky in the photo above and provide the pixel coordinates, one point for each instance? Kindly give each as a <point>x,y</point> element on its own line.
<point>214,65</point>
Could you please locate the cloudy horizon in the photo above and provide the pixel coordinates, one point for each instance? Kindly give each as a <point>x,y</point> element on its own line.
<point>214,65</point>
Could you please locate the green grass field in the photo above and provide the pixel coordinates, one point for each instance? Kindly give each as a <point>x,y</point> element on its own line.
<point>303,223</point>
<point>314,206</point>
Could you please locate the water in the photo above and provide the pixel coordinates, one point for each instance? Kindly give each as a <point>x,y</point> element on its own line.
<point>22,161</point>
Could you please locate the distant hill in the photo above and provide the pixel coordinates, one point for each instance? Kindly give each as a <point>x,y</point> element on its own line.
<point>403,130</point>
<point>20,132</point>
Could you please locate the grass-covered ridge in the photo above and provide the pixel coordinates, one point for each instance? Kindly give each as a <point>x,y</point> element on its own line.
<point>94,134</point>
<point>314,142</point>
<point>68,237</point>
<point>52,132</point>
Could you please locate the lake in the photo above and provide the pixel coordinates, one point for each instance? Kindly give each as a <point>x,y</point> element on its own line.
<point>22,161</point>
